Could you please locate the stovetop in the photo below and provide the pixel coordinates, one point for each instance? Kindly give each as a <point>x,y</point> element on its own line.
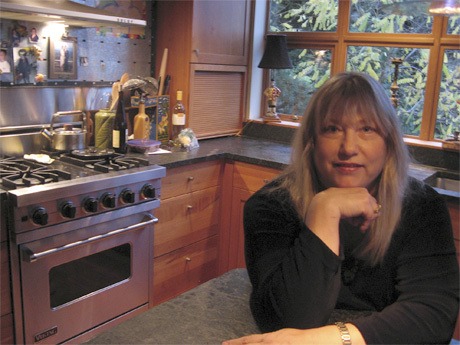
<point>18,172</point>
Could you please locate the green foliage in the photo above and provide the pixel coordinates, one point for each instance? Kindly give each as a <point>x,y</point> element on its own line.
<point>312,67</point>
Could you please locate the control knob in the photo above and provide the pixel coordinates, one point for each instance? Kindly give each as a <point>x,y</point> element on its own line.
<point>148,191</point>
<point>40,216</point>
<point>68,210</point>
<point>90,204</point>
<point>127,196</point>
<point>108,200</point>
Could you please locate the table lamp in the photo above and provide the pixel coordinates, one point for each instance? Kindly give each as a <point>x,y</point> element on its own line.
<point>275,57</point>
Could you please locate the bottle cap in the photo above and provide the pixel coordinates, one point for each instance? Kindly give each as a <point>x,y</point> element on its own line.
<point>179,95</point>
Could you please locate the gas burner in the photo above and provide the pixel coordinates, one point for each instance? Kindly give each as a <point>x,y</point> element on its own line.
<point>32,176</point>
<point>12,165</point>
<point>113,162</point>
<point>119,163</point>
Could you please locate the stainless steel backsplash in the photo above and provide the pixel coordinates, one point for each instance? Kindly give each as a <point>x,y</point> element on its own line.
<point>35,106</point>
<point>25,111</point>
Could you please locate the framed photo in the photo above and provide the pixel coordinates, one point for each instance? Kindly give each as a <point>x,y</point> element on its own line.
<point>62,58</point>
<point>25,65</point>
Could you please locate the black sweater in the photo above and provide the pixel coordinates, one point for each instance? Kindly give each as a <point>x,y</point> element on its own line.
<point>412,296</point>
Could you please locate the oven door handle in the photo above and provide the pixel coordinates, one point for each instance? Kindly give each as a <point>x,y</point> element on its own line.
<point>30,256</point>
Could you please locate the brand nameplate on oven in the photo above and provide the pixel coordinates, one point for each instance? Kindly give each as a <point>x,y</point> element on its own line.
<point>46,334</point>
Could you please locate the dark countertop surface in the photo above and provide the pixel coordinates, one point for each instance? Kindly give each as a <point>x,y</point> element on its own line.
<point>215,311</point>
<point>261,152</point>
<point>256,151</point>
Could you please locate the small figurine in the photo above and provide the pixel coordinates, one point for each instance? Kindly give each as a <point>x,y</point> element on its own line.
<point>272,93</point>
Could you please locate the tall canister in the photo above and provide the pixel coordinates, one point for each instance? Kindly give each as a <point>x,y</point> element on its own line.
<point>103,128</point>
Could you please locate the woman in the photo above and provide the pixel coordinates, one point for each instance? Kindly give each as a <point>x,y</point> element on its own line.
<point>344,227</point>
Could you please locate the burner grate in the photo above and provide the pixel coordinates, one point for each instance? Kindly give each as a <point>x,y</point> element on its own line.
<point>114,162</point>
<point>119,163</point>
<point>16,173</point>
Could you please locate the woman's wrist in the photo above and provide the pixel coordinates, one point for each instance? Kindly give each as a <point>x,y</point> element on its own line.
<point>344,333</point>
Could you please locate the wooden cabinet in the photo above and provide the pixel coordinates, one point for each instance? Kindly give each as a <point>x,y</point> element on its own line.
<point>208,52</point>
<point>6,316</point>
<point>6,332</point>
<point>186,238</point>
<point>245,179</point>
<point>220,32</point>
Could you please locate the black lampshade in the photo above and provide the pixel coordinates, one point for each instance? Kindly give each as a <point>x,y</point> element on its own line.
<point>276,53</point>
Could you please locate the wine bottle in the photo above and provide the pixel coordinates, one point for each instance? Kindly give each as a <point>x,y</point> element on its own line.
<point>141,123</point>
<point>178,116</point>
<point>120,128</point>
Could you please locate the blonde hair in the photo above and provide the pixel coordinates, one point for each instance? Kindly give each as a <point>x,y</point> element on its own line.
<point>347,94</point>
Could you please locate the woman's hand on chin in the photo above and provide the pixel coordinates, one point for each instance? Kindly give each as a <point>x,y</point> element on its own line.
<point>328,207</point>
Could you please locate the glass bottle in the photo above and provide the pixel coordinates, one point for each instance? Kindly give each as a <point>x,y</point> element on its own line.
<point>141,123</point>
<point>120,127</point>
<point>178,116</point>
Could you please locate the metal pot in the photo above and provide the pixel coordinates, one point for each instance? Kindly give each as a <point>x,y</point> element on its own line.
<point>67,138</point>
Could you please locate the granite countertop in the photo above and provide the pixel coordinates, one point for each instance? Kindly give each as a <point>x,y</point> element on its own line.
<point>261,152</point>
<point>214,311</point>
<point>256,151</point>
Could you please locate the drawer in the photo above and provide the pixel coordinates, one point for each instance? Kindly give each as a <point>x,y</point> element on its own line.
<point>184,269</point>
<point>186,219</point>
<point>191,178</point>
<point>5,280</point>
<point>252,177</point>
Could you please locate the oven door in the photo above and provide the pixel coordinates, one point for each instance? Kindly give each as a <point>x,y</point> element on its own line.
<point>69,288</point>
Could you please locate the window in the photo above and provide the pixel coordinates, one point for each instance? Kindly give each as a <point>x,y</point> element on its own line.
<point>325,37</point>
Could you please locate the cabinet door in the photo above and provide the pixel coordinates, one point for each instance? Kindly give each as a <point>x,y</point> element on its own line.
<point>246,179</point>
<point>221,32</point>
<point>237,259</point>
<point>252,177</point>
<point>217,99</point>
<point>6,321</point>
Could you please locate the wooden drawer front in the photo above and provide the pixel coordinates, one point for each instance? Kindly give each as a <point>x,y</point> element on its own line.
<point>190,178</point>
<point>186,219</point>
<point>184,269</point>
<point>5,280</point>
<point>252,177</point>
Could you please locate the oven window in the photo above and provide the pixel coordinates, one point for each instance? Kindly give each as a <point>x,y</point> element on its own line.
<point>81,277</point>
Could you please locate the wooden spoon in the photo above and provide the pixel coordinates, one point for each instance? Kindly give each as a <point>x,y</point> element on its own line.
<point>114,94</point>
<point>124,78</point>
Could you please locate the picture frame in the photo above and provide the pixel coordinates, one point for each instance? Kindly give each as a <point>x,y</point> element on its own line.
<point>62,58</point>
<point>25,65</point>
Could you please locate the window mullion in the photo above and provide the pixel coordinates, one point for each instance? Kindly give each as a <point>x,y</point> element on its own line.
<point>433,82</point>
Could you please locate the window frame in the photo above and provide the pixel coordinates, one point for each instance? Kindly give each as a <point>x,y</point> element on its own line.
<point>437,42</point>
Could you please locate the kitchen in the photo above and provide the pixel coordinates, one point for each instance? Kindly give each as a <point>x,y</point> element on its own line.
<point>214,157</point>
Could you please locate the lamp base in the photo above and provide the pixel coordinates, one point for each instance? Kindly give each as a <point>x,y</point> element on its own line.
<point>271,118</point>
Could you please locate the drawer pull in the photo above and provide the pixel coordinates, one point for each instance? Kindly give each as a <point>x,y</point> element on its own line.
<point>191,178</point>
<point>189,207</point>
<point>188,259</point>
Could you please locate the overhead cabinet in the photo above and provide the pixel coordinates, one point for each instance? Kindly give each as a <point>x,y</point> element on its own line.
<point>208,53</point>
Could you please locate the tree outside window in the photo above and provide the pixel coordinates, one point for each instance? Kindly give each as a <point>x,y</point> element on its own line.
<point>323,42</point>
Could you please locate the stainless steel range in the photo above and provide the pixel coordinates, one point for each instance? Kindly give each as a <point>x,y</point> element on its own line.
<point>81,240</point>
